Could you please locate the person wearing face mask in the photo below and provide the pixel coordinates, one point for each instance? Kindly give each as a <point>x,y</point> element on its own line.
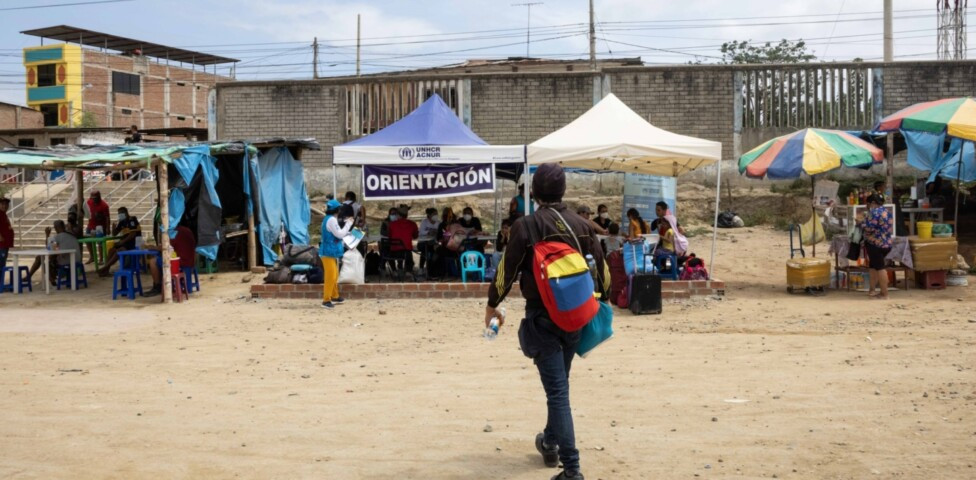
<point>603,217</point>
<point>587,214</point>
<point>98,216</point>
<point>402,232</point>
<point>470,222</point>
<point>128,229</point>
<point>428,236</point>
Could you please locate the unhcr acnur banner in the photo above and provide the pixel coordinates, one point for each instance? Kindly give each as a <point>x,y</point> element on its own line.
<point>395,183</point>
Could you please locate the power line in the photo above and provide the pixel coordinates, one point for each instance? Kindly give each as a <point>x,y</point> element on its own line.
<point>52,5</point>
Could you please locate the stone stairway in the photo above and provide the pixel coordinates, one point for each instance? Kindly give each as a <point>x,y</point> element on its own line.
<point>139,196</point>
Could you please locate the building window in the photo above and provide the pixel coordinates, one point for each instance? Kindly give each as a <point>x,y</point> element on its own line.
<point>50,112</point>
<point>125,83</point>
<point>55,141</point>
<point>47,75</point>
<point>126,111</point>
<point>25,142</point>
<point>181,118</point>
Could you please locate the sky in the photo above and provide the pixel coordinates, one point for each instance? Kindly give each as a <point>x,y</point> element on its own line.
<point>273,38</point>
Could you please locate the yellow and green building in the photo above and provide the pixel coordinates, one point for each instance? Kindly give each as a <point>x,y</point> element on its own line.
<point>54,82</point>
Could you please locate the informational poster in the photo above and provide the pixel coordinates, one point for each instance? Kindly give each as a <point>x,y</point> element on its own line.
<point>393,183</point>
<point>643,192</point>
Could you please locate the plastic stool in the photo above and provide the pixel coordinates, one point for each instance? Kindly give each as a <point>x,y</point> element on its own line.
<point>192,279</point>
<point>206,265</point>
<point>126,283</point>
<point>932,280</point>
<point>64,276</point>
<point>660,264</point>
<point>180,290</point>
<point>23,278</point>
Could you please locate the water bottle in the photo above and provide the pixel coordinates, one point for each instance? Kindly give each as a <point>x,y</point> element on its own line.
<point>590,262</point>
<point>492,331</point>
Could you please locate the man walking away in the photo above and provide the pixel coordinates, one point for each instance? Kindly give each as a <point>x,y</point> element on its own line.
<point>550,347</point>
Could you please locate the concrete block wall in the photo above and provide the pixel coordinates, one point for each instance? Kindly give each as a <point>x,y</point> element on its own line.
<point>293,109</point>
<point>908,83</point>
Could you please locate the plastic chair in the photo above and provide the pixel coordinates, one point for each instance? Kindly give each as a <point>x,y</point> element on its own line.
<point>660,263</point>
<point>126,283</point>
<point>181,289</point>
<point>206,265</point>
<point>7,285</point>
<point>472,262</point>
<point>64,276</point>
<point>395,262</point>
<point>192,278</point>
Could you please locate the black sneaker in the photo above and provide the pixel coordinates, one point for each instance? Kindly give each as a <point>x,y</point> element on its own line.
<point>153,292</point>
<point>569,475</point>
<point>328,305</point>
<point>338,301</point>
<point>550,453</point>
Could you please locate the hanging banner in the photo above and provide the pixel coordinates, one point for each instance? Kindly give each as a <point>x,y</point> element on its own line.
<point>394,183</point>
<point>643,192</point>
<point>428,154</point>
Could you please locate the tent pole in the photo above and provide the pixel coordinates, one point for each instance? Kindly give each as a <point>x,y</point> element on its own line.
<point>813,219</point>
<point>955,218</point>
<point>528,179</point>
<point>162,172</point>
<point>718,198</point>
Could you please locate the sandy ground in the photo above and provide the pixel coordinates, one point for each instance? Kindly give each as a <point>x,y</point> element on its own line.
<point>761,384</point>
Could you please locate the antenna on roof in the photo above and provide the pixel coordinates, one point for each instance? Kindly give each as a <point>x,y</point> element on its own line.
<point>528,22</point>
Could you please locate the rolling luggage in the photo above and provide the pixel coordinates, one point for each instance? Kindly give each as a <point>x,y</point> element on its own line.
<point>618,276</point>
<point>645,294</point>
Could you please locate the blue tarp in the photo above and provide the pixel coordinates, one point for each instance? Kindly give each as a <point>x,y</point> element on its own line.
<point>928,152</point>
<point>195,159</point>
<point>284,202</point>
<point>432,123</point>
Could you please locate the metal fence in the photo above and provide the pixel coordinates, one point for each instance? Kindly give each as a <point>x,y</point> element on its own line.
<point>807,96</point>
<point>371,106</point>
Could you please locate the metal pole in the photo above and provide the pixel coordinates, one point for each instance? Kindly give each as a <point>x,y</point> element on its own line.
<point>813,219</point>
<point>315,57</point>
<point>335,188</point>
<point>162,172</point>
<point>718,199</point>
<point>526,185</point>
<point>889,39</point>
<point>958,182</point>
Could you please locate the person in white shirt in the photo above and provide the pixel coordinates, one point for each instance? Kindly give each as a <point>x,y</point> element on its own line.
<point>61,241</point>
<point>428,236</point>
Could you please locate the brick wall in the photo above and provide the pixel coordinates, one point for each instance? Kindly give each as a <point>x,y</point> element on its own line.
<point>16,116</point>
<point>294,109</point>
<point>170,96</point>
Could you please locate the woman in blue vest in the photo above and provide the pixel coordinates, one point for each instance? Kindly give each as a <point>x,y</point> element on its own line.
<point>330,250</point>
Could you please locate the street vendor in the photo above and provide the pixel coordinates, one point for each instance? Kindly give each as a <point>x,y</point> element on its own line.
<point>877,227</point>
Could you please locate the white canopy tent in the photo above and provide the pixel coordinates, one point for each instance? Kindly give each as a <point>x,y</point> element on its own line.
<point>612,137</point>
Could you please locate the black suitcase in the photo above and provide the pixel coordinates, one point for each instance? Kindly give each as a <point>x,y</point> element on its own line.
<point>645,294</point>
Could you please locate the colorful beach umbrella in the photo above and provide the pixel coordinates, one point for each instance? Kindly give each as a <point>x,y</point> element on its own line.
<point>954,116</point>
<point>811,151</point>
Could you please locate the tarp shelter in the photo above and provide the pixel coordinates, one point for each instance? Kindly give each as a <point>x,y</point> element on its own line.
<point>207,181</point>
<point>940,155</point>
<point>428,153</point>
<point>612,137</point>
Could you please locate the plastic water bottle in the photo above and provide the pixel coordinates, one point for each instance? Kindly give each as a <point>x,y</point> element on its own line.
<point>590,262</point>
<point>492,331</point>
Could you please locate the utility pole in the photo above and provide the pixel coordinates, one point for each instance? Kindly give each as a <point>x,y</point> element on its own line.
<point>889,39</point>
<point>528,22</point>
<point>357,44</point>
<point>592,39</point>
<point>315,58</point>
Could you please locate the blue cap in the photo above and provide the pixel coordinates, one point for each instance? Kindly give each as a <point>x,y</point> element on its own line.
<point>332,205</point>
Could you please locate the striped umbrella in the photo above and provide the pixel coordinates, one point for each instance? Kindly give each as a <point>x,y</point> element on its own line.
<point>954,116</point>
<point>811,151</point>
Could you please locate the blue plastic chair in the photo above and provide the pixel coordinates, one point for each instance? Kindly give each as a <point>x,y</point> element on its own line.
<point>472,262</point>
<point>126,283</point>
<point>660,263</point>
<point>64,276</point>
<point>192,278</point>
<point>7,284</point>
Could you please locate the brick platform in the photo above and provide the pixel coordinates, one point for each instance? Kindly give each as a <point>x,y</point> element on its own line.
<point>669,290</point>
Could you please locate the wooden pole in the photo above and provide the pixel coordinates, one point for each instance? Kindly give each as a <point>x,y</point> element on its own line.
<point>962,151</point>
<point>80,201</point>
<point>162,172</point>
<point>813,185</point>
<point>252,249</point>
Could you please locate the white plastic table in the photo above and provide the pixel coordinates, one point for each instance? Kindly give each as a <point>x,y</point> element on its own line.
<point>16,254</point>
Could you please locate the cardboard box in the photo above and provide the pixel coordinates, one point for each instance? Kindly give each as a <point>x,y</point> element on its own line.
<point>933,253</point>
<point>807,272</point>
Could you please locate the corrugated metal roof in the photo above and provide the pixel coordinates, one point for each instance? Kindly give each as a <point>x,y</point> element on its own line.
<point>91,38</point>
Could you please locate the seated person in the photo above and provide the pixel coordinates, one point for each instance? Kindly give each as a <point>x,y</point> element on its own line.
<point>672,242</point>
<point>603,217</point>
<point>442,254</point>
<point>74,227</point>
<point>185,246</point>
<point>614,242</point>
<point>128,229</point>
<point>428,235</point>
<point>61,240</point>
<point>472,225</point>
<point>661,210</point>
<point>402,232</point>
<point>638,226</point>
<point>587,215</point>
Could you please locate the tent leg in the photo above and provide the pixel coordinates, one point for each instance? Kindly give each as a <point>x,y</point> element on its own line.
<point>718,198</point>
<point>958,185</point>
<point>162,172</point>
<point>527,184</point>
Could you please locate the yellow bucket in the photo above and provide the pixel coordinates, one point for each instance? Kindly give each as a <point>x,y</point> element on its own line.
<point>924,229</point>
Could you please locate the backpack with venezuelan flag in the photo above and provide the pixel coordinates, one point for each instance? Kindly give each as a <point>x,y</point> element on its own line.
<point>563,279</point>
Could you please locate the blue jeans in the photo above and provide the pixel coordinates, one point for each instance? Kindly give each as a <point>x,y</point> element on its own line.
<point>3,258</point>
<point>553,350</point>
<point>554,371</point>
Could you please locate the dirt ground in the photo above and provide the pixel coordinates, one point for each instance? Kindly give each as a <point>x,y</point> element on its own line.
<point>760,384</point>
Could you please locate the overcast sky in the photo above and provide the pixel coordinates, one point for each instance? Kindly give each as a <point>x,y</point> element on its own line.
<point>272,38</point>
